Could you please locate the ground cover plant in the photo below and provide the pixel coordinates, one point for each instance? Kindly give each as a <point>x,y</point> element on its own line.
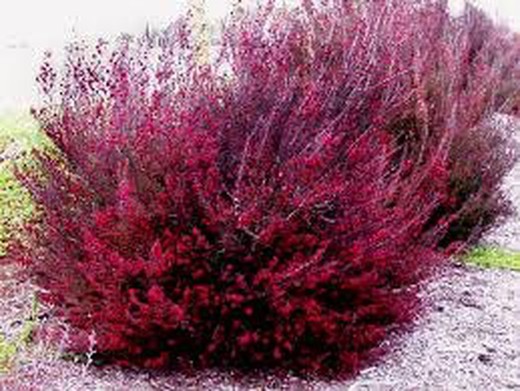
<point>19,134</point>
<point>277,207</point>
<point>493,257</point>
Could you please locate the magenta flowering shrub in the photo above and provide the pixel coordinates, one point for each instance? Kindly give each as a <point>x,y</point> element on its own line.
<point>277,207</point>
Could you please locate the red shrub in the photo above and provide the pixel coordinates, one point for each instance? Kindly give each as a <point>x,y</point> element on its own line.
<point>482,154</point>
<point>277,216</point>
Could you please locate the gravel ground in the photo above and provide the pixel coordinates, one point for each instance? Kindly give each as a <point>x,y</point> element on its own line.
<point>468,340</point>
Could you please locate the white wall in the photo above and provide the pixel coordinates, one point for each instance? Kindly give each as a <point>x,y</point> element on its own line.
<point>28,27</point>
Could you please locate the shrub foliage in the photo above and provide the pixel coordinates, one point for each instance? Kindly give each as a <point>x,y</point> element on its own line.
<point>277,207</point>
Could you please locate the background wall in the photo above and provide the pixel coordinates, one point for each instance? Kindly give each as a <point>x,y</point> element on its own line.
<point>29,27</point>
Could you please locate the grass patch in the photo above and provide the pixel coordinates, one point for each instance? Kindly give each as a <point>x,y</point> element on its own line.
<point>493,257</point>
<point>21,128</point>
<point>19,132</point>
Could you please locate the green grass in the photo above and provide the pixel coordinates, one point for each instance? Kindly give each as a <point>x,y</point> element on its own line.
<point>493,257</point>
<point>21,128</point>
<point>18,131</point>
